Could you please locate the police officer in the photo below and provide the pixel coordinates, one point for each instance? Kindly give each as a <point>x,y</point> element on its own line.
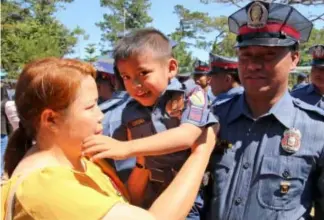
<point>201,77</point>
<point>314,92</point>
<point>269,157</point>
<point>225,82</point>
<point>184,76</point>
<point>105,79</point>
<point>301,81</point>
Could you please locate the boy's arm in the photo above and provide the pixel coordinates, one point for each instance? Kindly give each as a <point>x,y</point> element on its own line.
<point>196,116</point>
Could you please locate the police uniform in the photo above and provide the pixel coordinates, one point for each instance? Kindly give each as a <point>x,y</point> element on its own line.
<point>221,64</point>
<point>309,93</point>
<point>177,105</point>
<point>202,68</point>
<point>267,168</point>
<point>302,84</point>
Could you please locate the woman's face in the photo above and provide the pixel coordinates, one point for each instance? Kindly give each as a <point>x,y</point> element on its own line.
<point>83,117</point>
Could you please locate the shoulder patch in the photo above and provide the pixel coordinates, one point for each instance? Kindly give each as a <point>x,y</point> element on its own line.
<point>307,107</point>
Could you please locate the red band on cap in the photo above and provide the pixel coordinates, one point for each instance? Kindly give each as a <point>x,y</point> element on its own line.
<point>225,65</point>
<point>202,68</point>
<point>271,27</point>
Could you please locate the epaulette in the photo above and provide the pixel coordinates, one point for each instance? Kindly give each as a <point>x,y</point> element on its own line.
<point>307,107</point>
<point>224,100</point>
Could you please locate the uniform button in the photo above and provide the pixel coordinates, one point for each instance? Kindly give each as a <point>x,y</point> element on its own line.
<point>246,165</point>
<point>286,174</point>
<point>238,201</point>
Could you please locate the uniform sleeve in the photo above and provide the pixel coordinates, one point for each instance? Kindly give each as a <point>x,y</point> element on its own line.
<point>197,110</point>
<point>44,196</point>
<point>319,202</point>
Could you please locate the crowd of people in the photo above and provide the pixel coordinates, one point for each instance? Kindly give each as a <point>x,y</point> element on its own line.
<point>143,139</point>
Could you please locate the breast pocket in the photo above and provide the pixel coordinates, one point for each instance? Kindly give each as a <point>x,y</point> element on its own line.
<point>221,166</point>
<point>282,181</point>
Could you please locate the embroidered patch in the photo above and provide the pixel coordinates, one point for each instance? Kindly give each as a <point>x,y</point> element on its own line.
<point>195,114</point>
<point>175,105</point>
<point>197,98</point>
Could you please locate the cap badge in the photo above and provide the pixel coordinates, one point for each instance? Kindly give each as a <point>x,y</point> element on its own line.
<point>257,15</point>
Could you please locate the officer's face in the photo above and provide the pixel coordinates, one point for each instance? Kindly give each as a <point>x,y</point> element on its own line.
<point>218,83</point>
<point>105,89</point>
<point>82,118</point>
<point>146,77</point>
<point>317,77</point>
<point>202,80</point>
<point>264,71</point>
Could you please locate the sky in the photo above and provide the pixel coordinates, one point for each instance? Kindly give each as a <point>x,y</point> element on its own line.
<point>85,13</point>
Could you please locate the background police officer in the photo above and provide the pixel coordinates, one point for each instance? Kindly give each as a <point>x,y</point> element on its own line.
<point>314,92</point>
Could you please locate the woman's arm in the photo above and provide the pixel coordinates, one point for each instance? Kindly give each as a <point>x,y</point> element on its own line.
<point>176,201</point>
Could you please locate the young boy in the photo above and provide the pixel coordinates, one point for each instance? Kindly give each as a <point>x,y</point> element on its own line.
<point>164,118</point>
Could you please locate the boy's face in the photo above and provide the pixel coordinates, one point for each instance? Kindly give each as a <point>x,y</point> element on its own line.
<point>146,77</point>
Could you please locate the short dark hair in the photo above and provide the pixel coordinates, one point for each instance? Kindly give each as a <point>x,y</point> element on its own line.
<point>141,39</point>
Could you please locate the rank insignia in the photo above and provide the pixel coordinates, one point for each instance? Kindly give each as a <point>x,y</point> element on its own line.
<point>284,187</point>
<point>257,15</point>
<point>291,140</point>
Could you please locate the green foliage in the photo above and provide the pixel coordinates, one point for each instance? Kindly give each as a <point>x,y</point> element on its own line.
<point>316,37</point>
<point>90,53</point>
<point>135,12</point>
<point>30,31</point>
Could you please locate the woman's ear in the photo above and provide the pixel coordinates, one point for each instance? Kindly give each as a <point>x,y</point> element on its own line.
<point>173,68</point>
<point>49,120</point>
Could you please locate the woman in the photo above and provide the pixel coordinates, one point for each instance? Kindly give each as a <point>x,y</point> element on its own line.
<point>56,101</point>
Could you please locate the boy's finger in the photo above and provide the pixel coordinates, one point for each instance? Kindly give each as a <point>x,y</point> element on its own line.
<point>101,155</point>
<point>95,149</point>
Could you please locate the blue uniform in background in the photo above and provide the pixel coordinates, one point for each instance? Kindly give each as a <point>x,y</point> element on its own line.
<point>298,86</point>
<point>113,109</point>
<point>310,95</point>
<point>136,121</point>
<point>248,177</point>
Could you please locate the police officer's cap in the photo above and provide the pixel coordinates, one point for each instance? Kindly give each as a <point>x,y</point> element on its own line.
<point>184,72</point>
<point>317,51</point>
<point>302,75</point>
<point>222,64</point>
<point>105,66</point>
<point>269,24</point>
<point>201,67</point>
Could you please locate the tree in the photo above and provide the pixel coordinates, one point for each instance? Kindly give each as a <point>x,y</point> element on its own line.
<point>30,31</point>
<point>91,50</point>
<point>124,15</point>
<point>180,52</point>
<point>196,25</point>
<point>316,37</point>
<point>291,2</point>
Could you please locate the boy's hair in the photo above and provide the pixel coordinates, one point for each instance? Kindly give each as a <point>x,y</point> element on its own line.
<point>140,40</point>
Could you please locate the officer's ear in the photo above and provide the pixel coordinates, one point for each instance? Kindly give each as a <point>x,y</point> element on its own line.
<point>172,68</point>
<point>295,56</point>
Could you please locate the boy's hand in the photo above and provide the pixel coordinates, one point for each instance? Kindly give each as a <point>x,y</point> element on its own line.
<point>100,147</point>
